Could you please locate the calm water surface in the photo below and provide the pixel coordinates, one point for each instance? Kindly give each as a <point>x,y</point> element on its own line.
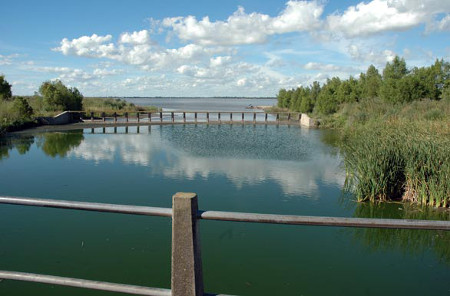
<point>263,169</point>
<point>203,104</point>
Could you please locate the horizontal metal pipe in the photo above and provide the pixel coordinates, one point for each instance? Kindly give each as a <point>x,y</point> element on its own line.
<point>325,221</point>
<point>87,284</point>
<point>79,283</point>
<point>87,206</point>
<point>235,216</point>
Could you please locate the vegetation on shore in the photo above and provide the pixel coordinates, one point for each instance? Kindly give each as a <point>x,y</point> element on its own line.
<point>394,130</point>
<point>53,98</point>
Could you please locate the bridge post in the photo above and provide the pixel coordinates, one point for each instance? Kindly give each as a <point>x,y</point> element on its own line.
<point>231,117</point>
<point>218,115</point>
<point>126,116</point>
<point>92,116</point>
<point>196,117</point>
<point>149,116</point>
<point>278,118</point>
<point>254,117</point>
<point>242,117</point>
<point>103,116</point>
<point>265,118</point>
<point>184,116</point>
<point>173,117</point>
<point>115,117</point>
<point>138,118</point>
<point>289,117</point>
<point>207,116</point>
<point>160,116</point>
<point>187,275</point>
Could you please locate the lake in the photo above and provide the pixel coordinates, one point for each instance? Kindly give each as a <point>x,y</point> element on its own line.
<point>203,104</point>
<point>245,168</point>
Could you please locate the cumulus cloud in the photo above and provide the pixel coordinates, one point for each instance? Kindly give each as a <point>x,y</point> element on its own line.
<point>87,46</point>
<point>141,37</point>
<point>243,28</point>
<point>385,15</point>
<point>378,57</point>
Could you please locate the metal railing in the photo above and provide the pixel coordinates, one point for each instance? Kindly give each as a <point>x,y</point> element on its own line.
<point>186,275</point>
<point>147,117</point>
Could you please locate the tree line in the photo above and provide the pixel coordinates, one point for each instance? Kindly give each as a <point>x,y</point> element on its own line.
<point>396,84</point>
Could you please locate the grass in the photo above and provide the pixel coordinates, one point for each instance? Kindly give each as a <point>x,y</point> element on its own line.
<point>397,152</point>
<point>109,105</point>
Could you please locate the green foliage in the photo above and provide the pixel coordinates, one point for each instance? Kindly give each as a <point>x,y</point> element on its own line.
<point>109,105</point>
<point>21,106</point>
<point>370,83</point>
<point>59,144</point>
<point>58,97</point>
<point>5,89</point>
<point>399,159</point>
<point>327,100</point>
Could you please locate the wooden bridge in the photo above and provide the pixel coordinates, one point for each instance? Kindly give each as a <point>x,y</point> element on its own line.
<point>186,275</point>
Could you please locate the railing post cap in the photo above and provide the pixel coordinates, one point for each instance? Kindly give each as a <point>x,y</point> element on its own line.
<point>185,195</point>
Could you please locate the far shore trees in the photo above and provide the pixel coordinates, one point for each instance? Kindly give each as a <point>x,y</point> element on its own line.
<point>57,96</point>
<point>5,89</point>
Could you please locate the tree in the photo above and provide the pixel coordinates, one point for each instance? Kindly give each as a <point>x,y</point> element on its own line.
<point>5,89</point>
<point>370,83</point>
<point>58,97</point>
<point>392,76</point>
<point>327,101</point>
<point>21,106</point>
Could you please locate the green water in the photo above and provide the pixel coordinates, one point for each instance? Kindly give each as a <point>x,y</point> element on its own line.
<point>263,169</point>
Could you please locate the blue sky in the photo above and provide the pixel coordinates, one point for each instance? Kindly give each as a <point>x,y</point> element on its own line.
<point>212,48</point>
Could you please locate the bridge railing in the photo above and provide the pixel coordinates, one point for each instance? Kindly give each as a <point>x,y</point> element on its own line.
<point>186,274</point>
<point>191,117</point>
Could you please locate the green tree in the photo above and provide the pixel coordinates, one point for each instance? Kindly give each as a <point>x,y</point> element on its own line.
<point>22,108</point>
<point>348,91</point>
<point>392,76</point>
<point>370,83</point>
<point>5,89</point>
<point>327,101</point>
<point>58,97</point>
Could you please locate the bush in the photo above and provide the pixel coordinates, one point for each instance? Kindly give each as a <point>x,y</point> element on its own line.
<point>58,97</point>
<point>5,89</point>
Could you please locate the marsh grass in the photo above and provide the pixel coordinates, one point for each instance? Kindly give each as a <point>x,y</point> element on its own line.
<point>400,154</point>
<point>110,105</point>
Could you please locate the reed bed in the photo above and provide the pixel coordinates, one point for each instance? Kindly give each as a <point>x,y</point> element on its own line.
<point>399,159</point>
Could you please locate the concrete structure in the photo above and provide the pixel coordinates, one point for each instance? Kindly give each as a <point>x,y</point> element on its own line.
<point>305,120</point>
<point>62,118</point>
<point>187,275</point>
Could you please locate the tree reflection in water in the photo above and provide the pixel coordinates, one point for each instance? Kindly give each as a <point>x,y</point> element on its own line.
<point>52,144</point>
<point>405,240</point>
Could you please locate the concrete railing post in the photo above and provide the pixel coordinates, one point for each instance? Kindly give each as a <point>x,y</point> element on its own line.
<point>115,117</point>
<point>92,116</point>
<point>265,118</point>
<point>103,116</point>
<point>184,116</point>
<point>231,117</point>
<point>254,117</point>
<point>218,116</point>
<point>138,117</point>
<point>172,116</point>
<point>195,115</point>
<point>207,116</point>
<point>187,275</point>
<point>126,116</point>
<point>242,117</point>
<point>160,117</point>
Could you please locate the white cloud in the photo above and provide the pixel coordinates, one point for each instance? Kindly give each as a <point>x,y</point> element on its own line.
<point>141,37</point>
<point>440,25</point>
<point>87,46</point>
<point>243,28</point>
<point>370,55</point>
<point>6,60</point>
<point>321,67</point>
<point>385,15</point>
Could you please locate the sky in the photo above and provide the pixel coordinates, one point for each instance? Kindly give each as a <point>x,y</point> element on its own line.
<point>204,48</point>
